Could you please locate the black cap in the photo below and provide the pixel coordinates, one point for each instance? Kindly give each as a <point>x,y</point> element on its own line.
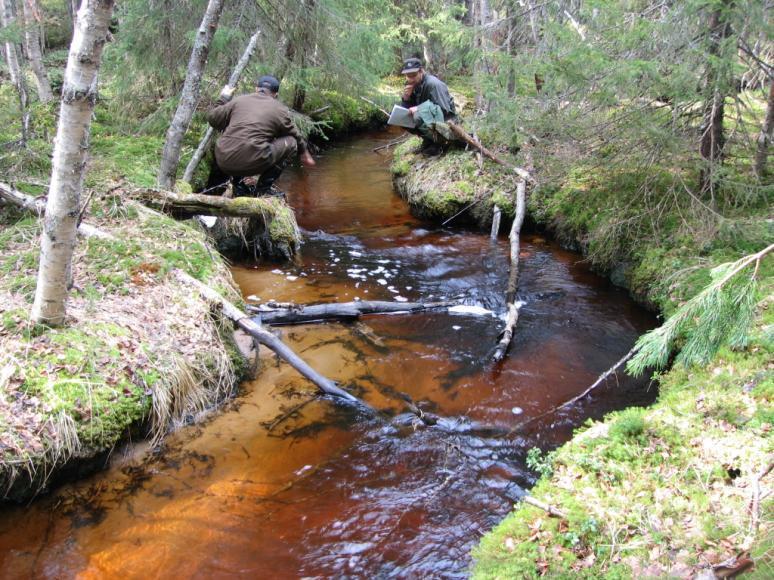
<point>411,65</point>
<point>268,82</point>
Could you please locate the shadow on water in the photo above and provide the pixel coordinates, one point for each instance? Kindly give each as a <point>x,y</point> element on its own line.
<point>283,484</point>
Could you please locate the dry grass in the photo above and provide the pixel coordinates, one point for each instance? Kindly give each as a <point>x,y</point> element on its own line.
<point>137,348</point>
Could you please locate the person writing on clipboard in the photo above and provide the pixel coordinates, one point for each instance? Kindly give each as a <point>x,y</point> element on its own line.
<point>427,98</point>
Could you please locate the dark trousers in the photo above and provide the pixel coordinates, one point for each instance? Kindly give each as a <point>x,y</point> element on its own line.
<point>281,151</point>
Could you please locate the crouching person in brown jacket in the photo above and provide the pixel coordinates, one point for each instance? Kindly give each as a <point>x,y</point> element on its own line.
<point>258,138</point>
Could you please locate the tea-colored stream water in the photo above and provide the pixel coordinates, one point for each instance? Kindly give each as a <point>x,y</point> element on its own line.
<point>328,492</point>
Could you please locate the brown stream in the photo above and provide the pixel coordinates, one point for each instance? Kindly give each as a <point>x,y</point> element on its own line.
<point>326,491</point>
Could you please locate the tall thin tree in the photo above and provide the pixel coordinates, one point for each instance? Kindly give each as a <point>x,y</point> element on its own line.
<point>57,241</point>
<point>190,96</point>
<point>12,59</point>
<point>33,47</point>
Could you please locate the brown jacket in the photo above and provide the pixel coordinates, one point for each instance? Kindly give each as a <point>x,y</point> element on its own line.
<point>249,124</point>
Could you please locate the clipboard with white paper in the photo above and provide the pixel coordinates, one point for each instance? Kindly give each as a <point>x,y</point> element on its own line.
<point>401,117</point>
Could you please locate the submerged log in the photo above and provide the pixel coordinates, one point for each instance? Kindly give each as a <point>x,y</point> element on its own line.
<point>512,315</point>
<point>196,203</point>
<point>338,311</point>
<point>266,338</point>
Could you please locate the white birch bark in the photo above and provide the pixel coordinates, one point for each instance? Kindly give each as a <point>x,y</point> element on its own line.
<point>233,80</point>
<point>190,97</point>
<point>34,50</point>
<point>57,240</point>
<point>12,59</point>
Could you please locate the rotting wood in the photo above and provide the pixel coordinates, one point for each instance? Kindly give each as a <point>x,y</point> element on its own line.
<point>233,80</point>
<point>197,203</point>
<point>37,206</point>
<point>339,311</point>
<point>551,510</point>
<point>243,321</point>
<point>512,315</point>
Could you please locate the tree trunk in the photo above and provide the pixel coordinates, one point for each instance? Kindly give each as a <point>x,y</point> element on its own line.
<point>34,50</point>
<point>712,137</point>
<point>765,136</point>
<point>190,96</point>
<point>197,203</point>
<point>233,81</point>
<point>300,314</point>
<point>512,313</point>
<point>62,209</point>
<point>14,67</point>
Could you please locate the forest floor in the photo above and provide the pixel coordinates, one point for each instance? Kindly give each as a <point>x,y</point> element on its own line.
<point>667,491</point>
<point>139,353</point>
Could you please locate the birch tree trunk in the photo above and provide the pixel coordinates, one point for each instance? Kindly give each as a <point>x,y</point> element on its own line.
<point>233,80</point>
<point>765,136</point>
<point>58,238</point>
<point>190,97</point>
<point>8,18</point>
<point>34,51</point>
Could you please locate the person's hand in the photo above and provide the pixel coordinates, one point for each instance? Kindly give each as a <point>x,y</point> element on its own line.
<point>407,90</point>
<point>307,159</point>
<point>227,91</point>
<point>413,111</point>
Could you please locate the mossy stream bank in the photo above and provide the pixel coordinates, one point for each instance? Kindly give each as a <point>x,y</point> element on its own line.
<point>138,354</point>
<point>663,491</point>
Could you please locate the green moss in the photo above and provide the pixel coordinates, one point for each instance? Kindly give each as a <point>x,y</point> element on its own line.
<point>649,487</point>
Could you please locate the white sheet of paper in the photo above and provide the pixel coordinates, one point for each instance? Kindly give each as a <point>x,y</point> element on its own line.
<point>401,117</point>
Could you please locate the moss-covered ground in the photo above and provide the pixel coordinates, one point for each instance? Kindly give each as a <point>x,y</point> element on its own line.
<point>667,491</point>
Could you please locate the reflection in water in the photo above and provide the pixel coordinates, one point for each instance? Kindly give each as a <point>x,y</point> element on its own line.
<point>283,484</point>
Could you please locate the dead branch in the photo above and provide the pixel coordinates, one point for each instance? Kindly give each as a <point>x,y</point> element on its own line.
<point>551,510</point>
<point>370,102</point>
<point>513,278</point>
<point>577,398</point>
<point>463,135</point>
<point>266,338</point>
<point>392,143</point>
<point>37,206</point>
<point>302,314</point>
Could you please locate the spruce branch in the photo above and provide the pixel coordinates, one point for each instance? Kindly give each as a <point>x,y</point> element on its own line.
<point>720,314</point>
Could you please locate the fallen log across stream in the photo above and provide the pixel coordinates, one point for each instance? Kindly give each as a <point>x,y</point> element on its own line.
<point>196,203</point>
<point>263,336</point>
<point>300,314</point>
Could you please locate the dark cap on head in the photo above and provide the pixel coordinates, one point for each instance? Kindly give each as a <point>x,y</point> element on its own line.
<point>411,65</point>
<point>268,82</point>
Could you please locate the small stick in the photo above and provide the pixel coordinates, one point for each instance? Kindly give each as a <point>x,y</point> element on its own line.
<point>370,102</point>
<point>397,141</point>
<point>552,511</point>
<point>320,110</point>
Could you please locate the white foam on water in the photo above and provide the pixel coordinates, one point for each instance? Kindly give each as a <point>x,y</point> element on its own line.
<point>382,281</point>
<point>455,327</point>
<point>291,278</point>
<point>354,253</point>
<point>277,272</point>
<point>401,299</point>
<point>470,310</point>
